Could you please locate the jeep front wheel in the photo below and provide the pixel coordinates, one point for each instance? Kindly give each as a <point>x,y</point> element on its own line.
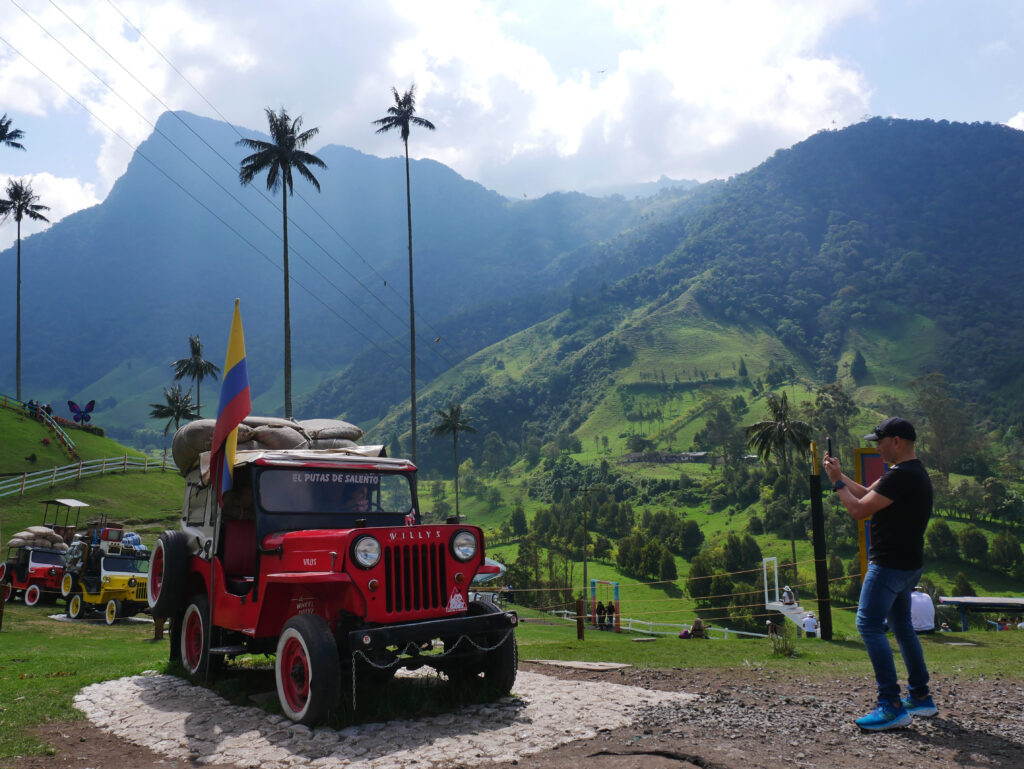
<point>306,670</point>
<point>167,569</point>
<point>4,568</point>
<point>195,636</point>
<point>33,595</point>
<point>67,585</point>
<point>76,606</point>
<point>496,658</point>
<point>113,612</point>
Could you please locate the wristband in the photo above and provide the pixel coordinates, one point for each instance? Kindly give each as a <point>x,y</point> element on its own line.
<point>838,485</point>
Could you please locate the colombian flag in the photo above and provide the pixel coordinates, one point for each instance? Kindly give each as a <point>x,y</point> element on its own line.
<point>235,406</point>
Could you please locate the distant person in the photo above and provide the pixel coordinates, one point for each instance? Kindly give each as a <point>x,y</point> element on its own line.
<point>697,629</point>
<point>1020,623</point>
<point>899,505</point>
<point>922,611</point>
<point>599,615</point>
<point>609,616</point>
<point>788,597</point>
<point>771,629</point>
<point>945,628</point>
<point>810,625</point>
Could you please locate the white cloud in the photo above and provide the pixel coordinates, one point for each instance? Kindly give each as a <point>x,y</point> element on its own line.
<point>527,96</point>
<point>1017,121</point>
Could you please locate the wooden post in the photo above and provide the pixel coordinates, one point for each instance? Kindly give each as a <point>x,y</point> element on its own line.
<point>4,588</point>
<point>579,619</point>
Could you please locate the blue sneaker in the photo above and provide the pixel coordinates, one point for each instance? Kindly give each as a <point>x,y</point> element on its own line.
<point>924,708</point>
<point>884,717</point>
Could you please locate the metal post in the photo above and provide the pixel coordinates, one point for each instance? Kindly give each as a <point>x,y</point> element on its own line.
<point>820,564</point>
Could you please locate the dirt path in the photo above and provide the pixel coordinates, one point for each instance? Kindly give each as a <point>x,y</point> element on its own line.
<point>743,719</point>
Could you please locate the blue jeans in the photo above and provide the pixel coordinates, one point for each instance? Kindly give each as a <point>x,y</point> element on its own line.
<point>885,596</point>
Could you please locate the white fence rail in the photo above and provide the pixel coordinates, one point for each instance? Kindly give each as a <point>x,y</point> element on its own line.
<point>664,628</point>
<point>19,484</point>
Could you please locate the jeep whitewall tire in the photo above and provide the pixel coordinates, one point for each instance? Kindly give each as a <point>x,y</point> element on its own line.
<point>113,611</point>
<point>307,670</point>
<point>33,595</point>
<point>76,606</point>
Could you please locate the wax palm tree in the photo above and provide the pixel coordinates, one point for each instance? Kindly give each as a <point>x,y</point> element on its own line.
<point>8,136</point>
<point>452,423</point>
<point>777,437</point>
<point>402,116</point>
<point>196,368</point>
<point>279,158</point>
<point>19,203</point>
<point>178,407</point>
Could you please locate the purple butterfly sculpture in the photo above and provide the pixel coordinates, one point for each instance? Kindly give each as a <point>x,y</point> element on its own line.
<point>81,414</point>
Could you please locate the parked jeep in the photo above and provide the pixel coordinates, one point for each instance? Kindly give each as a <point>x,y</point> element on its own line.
<point>106,570</point>
<point>320,558</point>
<point>35,563</point>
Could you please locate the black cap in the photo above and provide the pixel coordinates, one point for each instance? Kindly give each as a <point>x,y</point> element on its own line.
<point>893,427</point>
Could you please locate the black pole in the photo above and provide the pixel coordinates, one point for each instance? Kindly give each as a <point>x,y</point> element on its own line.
<point>820,565</point>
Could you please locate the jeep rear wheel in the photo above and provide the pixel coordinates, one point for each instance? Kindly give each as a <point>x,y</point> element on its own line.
<point>76,606</point>
<point>195,636</point>
<point>4,568</point>
<point>114,611</point>
<point>33,595</point>
<point>307,670</point>
<point>167,568</point>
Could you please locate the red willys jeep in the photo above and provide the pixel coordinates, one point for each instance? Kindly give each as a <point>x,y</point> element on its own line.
<point>35,557</point>
<point>318,557</point>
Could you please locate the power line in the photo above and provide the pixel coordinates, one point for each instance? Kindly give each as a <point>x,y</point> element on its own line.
<point>299,195</point>
<point>192,160</point>
<point>198,202</point>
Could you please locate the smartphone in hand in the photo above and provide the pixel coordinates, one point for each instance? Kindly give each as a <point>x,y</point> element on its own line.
<point>828,446</point>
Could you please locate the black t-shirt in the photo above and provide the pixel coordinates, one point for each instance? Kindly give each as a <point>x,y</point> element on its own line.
<point>897,531</point>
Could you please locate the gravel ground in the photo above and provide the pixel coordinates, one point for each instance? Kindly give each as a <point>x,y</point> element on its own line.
<point>742,719</point>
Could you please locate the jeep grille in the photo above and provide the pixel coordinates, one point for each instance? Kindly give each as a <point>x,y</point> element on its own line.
<point>415,576</point>
<point>140,592</point>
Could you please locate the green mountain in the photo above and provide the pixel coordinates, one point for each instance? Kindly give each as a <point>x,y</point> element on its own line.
<point>893,241</point>
<point>111,294</point>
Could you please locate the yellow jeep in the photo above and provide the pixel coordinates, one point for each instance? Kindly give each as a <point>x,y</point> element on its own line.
<point>106,571</point>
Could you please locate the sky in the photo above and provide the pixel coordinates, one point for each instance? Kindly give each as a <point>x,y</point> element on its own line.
<point>528,96</point>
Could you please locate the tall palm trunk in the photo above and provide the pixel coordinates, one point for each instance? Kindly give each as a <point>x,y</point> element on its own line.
<point>17,333</point>
<point>455,455</point>
<point>412,325</point>
<point>287,313</point>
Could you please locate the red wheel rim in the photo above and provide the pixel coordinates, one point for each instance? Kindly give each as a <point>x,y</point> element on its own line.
<point>295,674</point>
<point>32,595</point>
<point>3,571</point>
<point>193,642</point>
<point>156,578</point>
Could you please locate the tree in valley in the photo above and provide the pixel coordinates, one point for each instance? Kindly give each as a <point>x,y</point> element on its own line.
<point>777,438</point>
<point>961,585</point>
<point>21,202</point>
<point>973,543</point>
<point>279,159</point>
<point>942,542</point>
<point>834,409</point>
<point>452,422</point>
<point>9,136</point>
<point>947,431</point>
<point>196,368</point>
<point>176,408</point>
<point>1005,552</point>
<point>401,117</point>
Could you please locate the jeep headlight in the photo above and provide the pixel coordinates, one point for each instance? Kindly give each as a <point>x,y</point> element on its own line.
<point>464,545</point>
<point>366,552</point>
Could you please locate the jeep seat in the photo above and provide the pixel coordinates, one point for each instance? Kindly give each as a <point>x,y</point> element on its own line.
<point>239,554</point>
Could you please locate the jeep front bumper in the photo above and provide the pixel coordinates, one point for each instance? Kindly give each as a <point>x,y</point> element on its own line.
<point>419,632</point>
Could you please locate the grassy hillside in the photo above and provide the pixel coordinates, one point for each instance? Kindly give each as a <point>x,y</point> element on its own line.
<point>23,437</point>
<point>145,502</point>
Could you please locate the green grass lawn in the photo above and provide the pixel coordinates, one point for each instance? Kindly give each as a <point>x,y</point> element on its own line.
<point>44,663</point>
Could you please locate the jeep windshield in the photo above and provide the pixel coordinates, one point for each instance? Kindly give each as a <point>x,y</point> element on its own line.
<point>51,558</point>
<point>327,498</point>
<point>125,564</point>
